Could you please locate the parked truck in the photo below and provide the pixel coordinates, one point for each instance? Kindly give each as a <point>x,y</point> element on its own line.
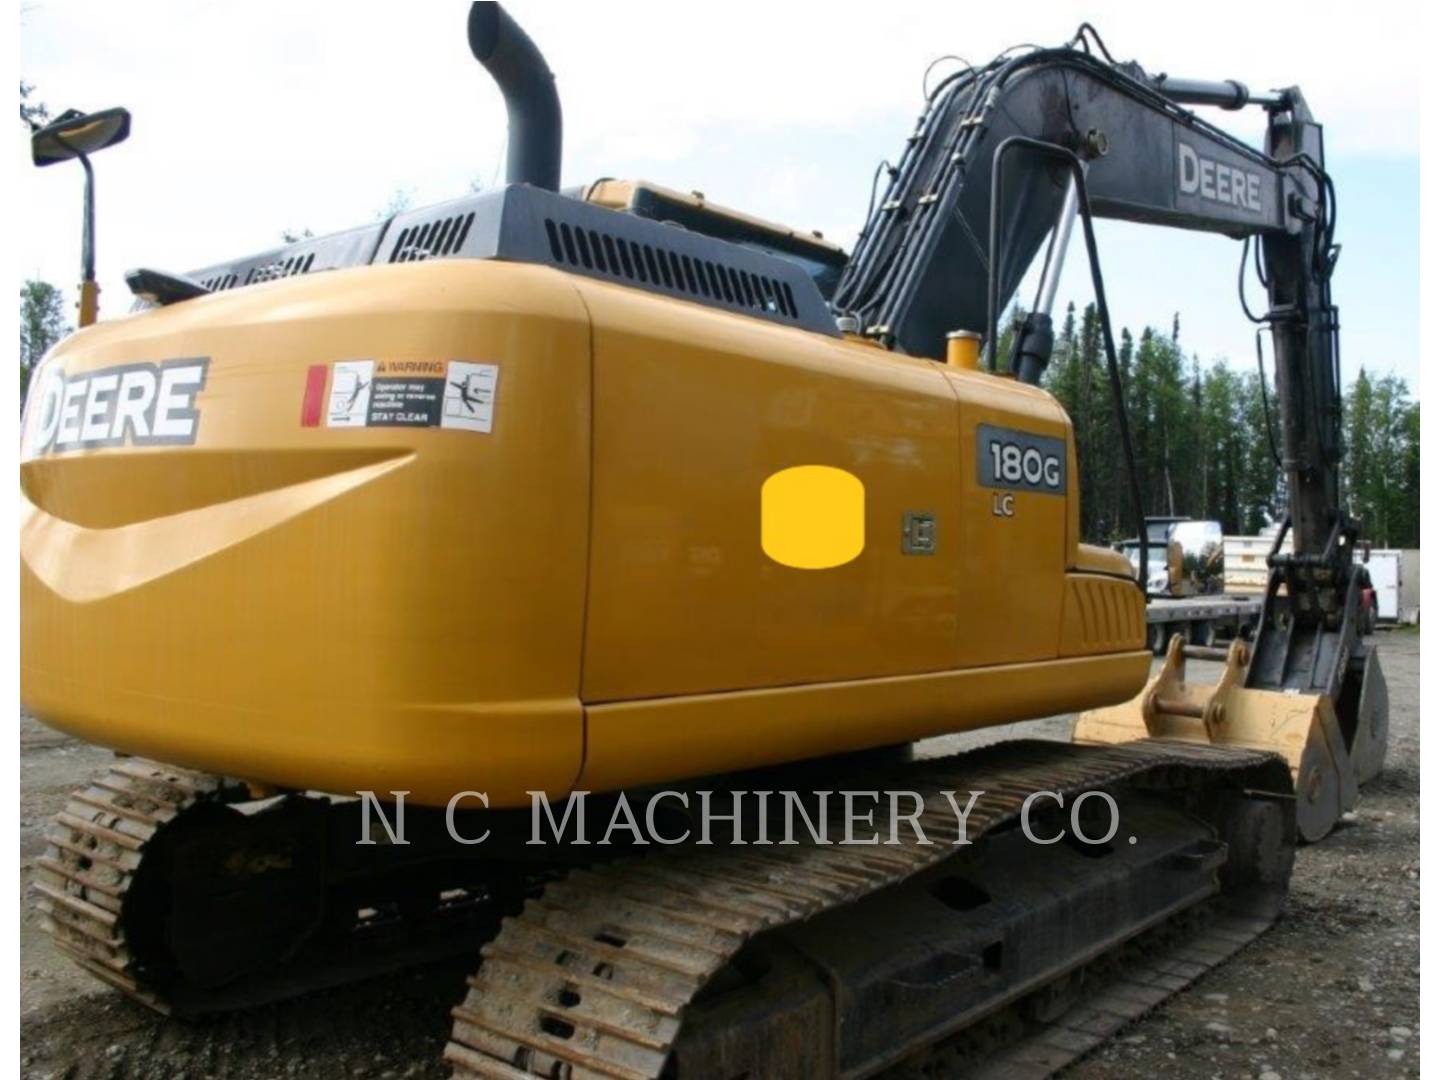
<point>1200,582</point>
<point>1210,587</point>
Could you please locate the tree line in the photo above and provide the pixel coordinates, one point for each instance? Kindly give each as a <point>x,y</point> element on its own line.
<point>1205,438</point>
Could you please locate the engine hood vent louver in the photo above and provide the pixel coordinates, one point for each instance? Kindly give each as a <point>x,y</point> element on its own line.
<point>605,254</point>
<point>432,240</point>
<point>293,264</point>
<point>220,282</point>
<point>521,223</point>
<point>354,247</point>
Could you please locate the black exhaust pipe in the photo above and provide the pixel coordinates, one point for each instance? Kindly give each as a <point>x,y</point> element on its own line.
<point>506,51</point>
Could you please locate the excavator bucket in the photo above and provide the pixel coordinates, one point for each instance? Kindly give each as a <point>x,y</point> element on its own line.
<point>1328,757</point>
<point>1372,717</point>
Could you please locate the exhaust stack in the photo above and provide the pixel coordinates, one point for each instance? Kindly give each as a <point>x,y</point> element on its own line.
<point>513,61</point>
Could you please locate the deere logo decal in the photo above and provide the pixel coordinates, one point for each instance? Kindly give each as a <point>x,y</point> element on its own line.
<point>1217,181</point>
<point>134,404</point>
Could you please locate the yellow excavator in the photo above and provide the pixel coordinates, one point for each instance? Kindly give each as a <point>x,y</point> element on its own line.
<point>418,531</point>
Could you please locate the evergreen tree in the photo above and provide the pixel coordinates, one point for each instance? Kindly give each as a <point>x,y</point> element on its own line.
<point>42,324</point>
<point>1203,438</point>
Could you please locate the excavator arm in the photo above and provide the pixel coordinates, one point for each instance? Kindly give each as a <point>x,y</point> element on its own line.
<point>1008,155</point>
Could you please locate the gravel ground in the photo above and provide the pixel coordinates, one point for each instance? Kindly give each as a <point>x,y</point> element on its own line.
<point>1331,991</point>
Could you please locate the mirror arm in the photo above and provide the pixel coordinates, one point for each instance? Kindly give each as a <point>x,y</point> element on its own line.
<point>89,290</point>
<point>87,237</point>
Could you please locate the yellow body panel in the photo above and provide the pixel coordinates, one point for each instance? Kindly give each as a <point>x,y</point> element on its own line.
<point>694,410</point>
<point>325,607</point>
<point>646,742</point>
<point>577,597</point>
<point>1102,615</point>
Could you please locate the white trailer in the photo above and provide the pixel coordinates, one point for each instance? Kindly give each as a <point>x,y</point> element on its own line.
<point>1384,567</point>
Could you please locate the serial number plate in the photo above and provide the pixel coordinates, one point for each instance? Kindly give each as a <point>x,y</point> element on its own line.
<point>1020,461</point>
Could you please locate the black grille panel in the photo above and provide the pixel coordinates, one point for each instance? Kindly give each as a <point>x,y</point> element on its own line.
<point>293,264</point>
<point>355,247</point>
<point>658,264</point>
<point>433,239</point>
<point>660,257</point>
<point>523,224</point>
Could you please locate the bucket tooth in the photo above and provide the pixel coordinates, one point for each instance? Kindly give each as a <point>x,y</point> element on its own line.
<point>1301,728</point>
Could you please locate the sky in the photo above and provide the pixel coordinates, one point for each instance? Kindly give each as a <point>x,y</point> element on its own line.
<point>251,119</point>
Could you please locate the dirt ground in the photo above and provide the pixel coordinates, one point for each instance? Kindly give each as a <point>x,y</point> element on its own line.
<point>1331,991</point>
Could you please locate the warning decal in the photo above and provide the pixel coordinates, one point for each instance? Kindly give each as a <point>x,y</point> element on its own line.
<point>411,393</point>
<point>470,396</point>
<point>407,393</point>
<point>350,393</point>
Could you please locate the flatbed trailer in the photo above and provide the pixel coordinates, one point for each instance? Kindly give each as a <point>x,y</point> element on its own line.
<point>1202,619</point>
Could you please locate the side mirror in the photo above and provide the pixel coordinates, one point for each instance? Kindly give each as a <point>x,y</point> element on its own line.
<point>76,134</point>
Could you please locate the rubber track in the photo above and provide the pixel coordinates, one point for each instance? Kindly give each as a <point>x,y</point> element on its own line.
<point>592,979</point>
<point>94,849</point>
